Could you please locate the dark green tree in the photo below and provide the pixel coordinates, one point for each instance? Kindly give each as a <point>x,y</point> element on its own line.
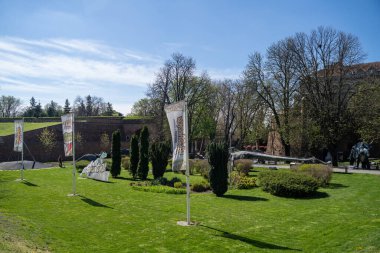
<point>116,156</point>
<point>159,155</point>
<point>38,111</point>
<point>218,160</point>
<point>109,110</point>
<point>31,111</point>
<point>134,156</point>
<point>143,167</point>
<point>67,107</point>
<point>89,106</point>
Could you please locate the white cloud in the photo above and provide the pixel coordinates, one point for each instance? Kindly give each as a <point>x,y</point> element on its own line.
<point>55,69</point>
<point>74,59</point>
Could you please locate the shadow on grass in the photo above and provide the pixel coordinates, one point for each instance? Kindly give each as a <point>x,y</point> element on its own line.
<point>317,195</point>
<point>336,186</point>
<point>244,198</point>
<point>29,183</point>
<point>256,243</point>
<point>93,202</point>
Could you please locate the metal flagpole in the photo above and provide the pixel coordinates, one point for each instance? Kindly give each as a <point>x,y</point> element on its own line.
<point>74,165</point>
<point>186,130</point>
<point>22,151</point>
<point>186,159</point>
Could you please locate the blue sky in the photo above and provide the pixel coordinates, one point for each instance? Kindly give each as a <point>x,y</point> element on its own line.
<point>112,48</point>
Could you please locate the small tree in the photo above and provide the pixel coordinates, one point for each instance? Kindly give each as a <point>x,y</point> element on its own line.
<point>67,107</point>
<point>143,167</point>
<point>47,139</point>
<point>104,141</point>
<point>116,156</point>
<point>218,160</point>
<point>134,155</point>
<point>159,154</point>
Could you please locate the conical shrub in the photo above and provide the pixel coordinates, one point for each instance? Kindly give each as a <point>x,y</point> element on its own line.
<point>218,160</point>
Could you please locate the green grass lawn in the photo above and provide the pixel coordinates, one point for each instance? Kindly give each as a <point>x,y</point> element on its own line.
<point>7,128</point>
<point>112,217</point>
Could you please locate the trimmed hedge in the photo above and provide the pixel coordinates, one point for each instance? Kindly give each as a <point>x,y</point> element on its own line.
<point>243,166</point>
<point>322,173</point>
<point>239,181</point>
<point>201,187</point>
<point>287,184</point>
<point>160,189</point>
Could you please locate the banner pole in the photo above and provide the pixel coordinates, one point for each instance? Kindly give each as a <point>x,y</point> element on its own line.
<point>22,152</point>
<point>187,163</point>
<point>74,165</point>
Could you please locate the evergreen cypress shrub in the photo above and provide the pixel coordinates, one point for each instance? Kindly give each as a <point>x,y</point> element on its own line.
<point>143,166</point>
<point>134,156</point>
<point>218,160</point>
<point>116,156</point>
<point>159,155</point>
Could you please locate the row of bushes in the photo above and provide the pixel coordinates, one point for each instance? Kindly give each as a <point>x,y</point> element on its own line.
<point>175,182</point>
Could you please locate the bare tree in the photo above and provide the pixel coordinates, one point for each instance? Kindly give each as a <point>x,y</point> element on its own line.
<point>174,82</point>
<point>324,60</point>
<point>227,94</point>
<point>276,82</point>
<point>9,106</point>
<point>248,106</point>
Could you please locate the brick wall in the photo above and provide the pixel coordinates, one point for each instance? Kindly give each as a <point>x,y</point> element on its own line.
<point>90,129</point>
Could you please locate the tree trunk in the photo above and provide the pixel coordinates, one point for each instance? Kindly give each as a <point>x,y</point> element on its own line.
<point>332,149</point>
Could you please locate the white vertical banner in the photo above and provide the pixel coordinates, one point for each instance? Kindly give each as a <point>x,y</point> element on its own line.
<point>69,143</point>
<point>178,122</point>
<point>19,136</point>
<point>67,130</point>
<point>175,115</point>
<point>19,144</point>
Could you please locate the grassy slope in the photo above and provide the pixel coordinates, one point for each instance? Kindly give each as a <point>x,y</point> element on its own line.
<point>111,217</point>
<point>7,128</point>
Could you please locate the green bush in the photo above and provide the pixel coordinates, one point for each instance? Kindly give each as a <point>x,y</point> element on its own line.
<point>172,181</point>
<point>243,166</point>
<point>218,160</point>
<point>134,158</point>
<point>240,181</point>
<point>177,185</point>
<point>116,156</point>
<point>198,166</point>
<point>200,187</point>
<point>143,166</point>
<point>160,181</point>
<point>159,155</point>
<point>80,165</point>
<point>322,173</point>
<point>287,184</point>
<point>126,163</point>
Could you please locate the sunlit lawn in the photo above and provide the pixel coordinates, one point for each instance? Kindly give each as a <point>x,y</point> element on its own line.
<point>7,128</point>
<point>112,217</point>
